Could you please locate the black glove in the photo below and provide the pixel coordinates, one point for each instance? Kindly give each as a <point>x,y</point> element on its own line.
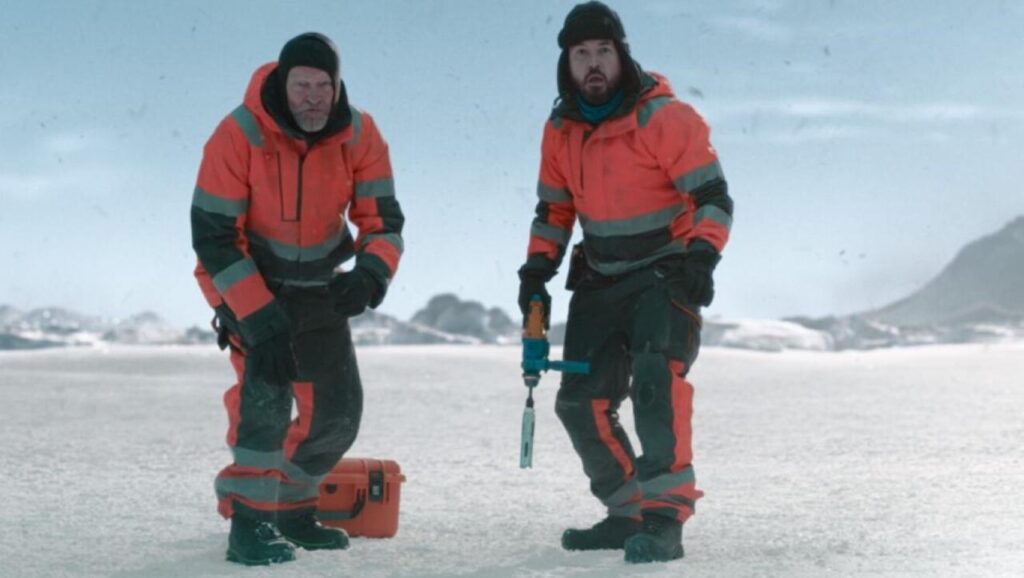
<point>533,283</point>
<point>353,292</point>
<point>272,361</point>
<point>692,280</point>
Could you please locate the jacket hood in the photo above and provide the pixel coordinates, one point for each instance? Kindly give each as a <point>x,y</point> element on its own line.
<point>264,98</point>
<point>656,85</point>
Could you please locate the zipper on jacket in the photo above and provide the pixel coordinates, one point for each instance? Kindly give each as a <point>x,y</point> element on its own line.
<point>280,184</point>
<point>298,195</point>
<point>583,145</point>
<point>292,214</point>
<point>298,218</point>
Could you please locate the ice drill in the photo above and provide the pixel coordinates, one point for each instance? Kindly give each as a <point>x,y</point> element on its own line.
<point>535,360</point>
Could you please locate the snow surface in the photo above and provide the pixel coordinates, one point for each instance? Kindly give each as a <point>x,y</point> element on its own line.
<point>900,462</point>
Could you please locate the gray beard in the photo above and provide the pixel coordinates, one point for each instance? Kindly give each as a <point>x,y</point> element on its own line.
<point>311,125</point>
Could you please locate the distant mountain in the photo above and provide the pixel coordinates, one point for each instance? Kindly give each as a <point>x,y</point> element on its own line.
<point>57,321</point>
<point>979,296</point>
<point>450,315</point>
<point>58,327</point>
<point>446,319</point>
<point>8,314</point>
<point>983,284</point>
<point>144,328</point>
<point>48,327</point>
<point>372,328</point>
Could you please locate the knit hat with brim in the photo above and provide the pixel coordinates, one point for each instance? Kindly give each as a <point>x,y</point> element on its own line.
<point>590,21</point>
<point>594,21</point>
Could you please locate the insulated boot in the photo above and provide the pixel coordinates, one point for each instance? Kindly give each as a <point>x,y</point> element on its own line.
<point>608,534</point>
<point>659,540</point>
<point>305,531</point>
<point>256,543</point>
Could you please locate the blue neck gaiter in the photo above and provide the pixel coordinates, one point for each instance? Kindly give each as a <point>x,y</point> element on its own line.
<point>597,113</point>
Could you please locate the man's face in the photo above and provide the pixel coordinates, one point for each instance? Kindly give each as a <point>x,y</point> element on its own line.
<point>310,97</point>
<point>596,69</point>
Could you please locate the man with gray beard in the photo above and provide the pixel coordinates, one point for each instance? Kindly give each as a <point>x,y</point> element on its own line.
<point>281,177</point>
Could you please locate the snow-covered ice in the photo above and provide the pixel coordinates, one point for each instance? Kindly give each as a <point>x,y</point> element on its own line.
<point>901,462</point>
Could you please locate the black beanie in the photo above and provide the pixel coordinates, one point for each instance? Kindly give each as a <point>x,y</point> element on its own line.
<point>590,21</point>
<point>310,49</point>
<point>595,21</point>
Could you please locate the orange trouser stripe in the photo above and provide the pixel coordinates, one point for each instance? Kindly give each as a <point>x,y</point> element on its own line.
<point>233,396</point>
<point>682,404</point>
<point>604,431</point>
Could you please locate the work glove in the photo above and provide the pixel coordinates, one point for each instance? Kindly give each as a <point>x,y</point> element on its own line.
<point>353,291</point>
<point>272,361</point>
<point>532,282</point>
<point>691,279</point>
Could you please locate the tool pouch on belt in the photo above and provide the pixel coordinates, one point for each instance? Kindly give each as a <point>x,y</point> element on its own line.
<point>578,267</point>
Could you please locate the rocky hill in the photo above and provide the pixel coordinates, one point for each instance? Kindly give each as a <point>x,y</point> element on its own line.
<point>978,296</point>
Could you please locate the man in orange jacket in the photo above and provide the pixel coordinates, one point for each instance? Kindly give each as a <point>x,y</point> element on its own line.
<point>278,177</point>
<point>635,165</point>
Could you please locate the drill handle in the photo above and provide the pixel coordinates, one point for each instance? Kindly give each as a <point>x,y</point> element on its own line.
<point>535,319</point>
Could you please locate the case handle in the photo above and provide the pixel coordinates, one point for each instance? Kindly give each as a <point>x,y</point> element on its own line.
<point>357,506</point>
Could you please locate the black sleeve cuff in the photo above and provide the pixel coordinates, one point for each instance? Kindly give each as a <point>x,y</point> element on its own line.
<point>378,273</point>
<point>539,267</point>
<point>703,251</point>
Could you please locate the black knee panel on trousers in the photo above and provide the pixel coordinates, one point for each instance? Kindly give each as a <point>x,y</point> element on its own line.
<point>573,409</point>
<point>653,412</point>
<point>651,381</point>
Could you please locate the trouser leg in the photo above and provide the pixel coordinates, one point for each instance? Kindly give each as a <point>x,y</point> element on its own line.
<point>279,462</point>
<point>329,400</point>
<point>665,341</point>
<point>258,415</point>
<point>587,405</point>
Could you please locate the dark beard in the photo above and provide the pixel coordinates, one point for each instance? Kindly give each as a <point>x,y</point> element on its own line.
<point>597,97</point>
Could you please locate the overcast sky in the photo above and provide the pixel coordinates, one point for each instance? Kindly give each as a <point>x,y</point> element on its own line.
<point>864,142</point>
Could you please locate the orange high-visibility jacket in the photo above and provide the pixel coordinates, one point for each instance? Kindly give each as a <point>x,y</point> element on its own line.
<point>269,210</point>
<point>644,185</point>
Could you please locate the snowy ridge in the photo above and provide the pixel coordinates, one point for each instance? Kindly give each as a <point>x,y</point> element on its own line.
<point>765,335</point>
<point>445,320</point>
<point>57,327</point>
<point>977,298</point>
<point>377,329</point>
